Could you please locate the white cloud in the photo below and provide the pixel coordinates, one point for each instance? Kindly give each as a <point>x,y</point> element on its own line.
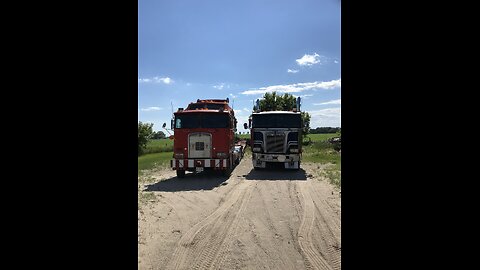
<point>219,86</point>
<point>303,96</point>
<point>294,88</point>
<point>247,110</point>
<point>308,60</point>
<point>146,80</point>
<point>335,61</point>
<point>240,121</point>
<point>156,79</point>
<point>336,101</point>
<point>330,117</point>
<point>165,80</point>
<point>232,95</point>
<point>151,109</point>
<point>292,70</point>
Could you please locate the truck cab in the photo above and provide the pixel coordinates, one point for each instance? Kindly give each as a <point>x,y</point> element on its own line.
<point>276,138</point>
<point>204,137</point>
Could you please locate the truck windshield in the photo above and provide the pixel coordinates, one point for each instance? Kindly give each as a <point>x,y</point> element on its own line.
<point>276,121</point>
<point>202,120</point>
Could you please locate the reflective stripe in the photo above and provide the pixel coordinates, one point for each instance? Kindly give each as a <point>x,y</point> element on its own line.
<point>217,163</point>
<point>224,163</point>
<point>180,163</point>
<point>207,163</point>
<point>190,163</point>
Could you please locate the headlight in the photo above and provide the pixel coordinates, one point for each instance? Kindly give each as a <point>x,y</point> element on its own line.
<point>293,150</point>
<point>178,155</point>
<point>257,149</point>
<point>221,155</point>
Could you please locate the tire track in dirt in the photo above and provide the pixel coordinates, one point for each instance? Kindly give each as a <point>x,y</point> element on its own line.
<point>325,205</point>
<point>329,231</point>
<point>268,217</point>
<point>204,240</point>
<point>313,259</point>
<point>226,247</point>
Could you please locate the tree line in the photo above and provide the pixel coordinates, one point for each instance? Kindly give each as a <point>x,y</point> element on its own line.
<point>323,130</point>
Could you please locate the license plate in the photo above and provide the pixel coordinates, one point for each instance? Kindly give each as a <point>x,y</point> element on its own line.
<point>199,169</point>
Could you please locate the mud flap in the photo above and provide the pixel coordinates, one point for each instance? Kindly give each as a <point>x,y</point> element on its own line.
<point>259,164</point>
<point>292,165</point>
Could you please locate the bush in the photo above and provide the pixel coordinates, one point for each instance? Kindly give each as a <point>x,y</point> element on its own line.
<point>145,132</point>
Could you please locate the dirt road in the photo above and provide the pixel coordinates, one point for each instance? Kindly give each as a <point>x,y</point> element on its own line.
<point>266,219</point>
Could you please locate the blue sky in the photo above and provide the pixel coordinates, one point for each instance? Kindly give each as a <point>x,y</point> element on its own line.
<point>240,50</point>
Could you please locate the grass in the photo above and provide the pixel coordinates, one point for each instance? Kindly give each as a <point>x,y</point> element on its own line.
<point>150,161</point>
<point>322,152</point>
<point>321,137</point>
<point>145,197</point>
<point>244,136</point>
<point>158,146</point>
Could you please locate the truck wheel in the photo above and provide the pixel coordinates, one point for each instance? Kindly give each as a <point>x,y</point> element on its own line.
<point>298,166</point>
<point>180,173</point>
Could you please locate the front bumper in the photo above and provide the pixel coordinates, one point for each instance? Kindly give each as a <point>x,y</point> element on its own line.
<point>192,164</point>
<point>291,161</point>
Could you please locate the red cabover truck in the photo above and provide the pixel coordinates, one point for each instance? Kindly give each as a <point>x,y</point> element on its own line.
<point>204,137</point>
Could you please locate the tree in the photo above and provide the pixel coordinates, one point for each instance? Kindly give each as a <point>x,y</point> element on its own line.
<point>305,124</point>
<point>145,132</point>
<point>158,135</point>
<point>274,102</point>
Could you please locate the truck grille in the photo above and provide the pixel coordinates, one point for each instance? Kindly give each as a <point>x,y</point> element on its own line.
<point>292,137</point>
<point>199,146</point>
<point>275,143</point>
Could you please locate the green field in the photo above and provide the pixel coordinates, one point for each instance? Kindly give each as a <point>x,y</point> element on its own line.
<point>157,146</point>
<point>321,137</point>
<point>320,151</point>
<point>150,161</point>
<point>244,136</point>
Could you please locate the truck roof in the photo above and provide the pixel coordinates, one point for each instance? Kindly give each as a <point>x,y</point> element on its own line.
<point>201,111</point>
<point>207,106</point>
<point>277,112</point>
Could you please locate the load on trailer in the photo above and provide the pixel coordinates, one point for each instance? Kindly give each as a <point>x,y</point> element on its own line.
<point>276,137</point>
<point>204,137</point>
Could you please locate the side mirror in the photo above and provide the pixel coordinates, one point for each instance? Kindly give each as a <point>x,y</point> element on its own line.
<point>164,125</point>
<point>249,123</point>
<point>245,126</point>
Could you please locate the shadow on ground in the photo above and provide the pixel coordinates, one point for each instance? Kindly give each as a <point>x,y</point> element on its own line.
<point>276,174</point>
<point>192,181</point>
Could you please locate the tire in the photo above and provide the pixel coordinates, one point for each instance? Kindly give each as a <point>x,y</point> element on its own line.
<point>227,172</point>
<point>180,173</point>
